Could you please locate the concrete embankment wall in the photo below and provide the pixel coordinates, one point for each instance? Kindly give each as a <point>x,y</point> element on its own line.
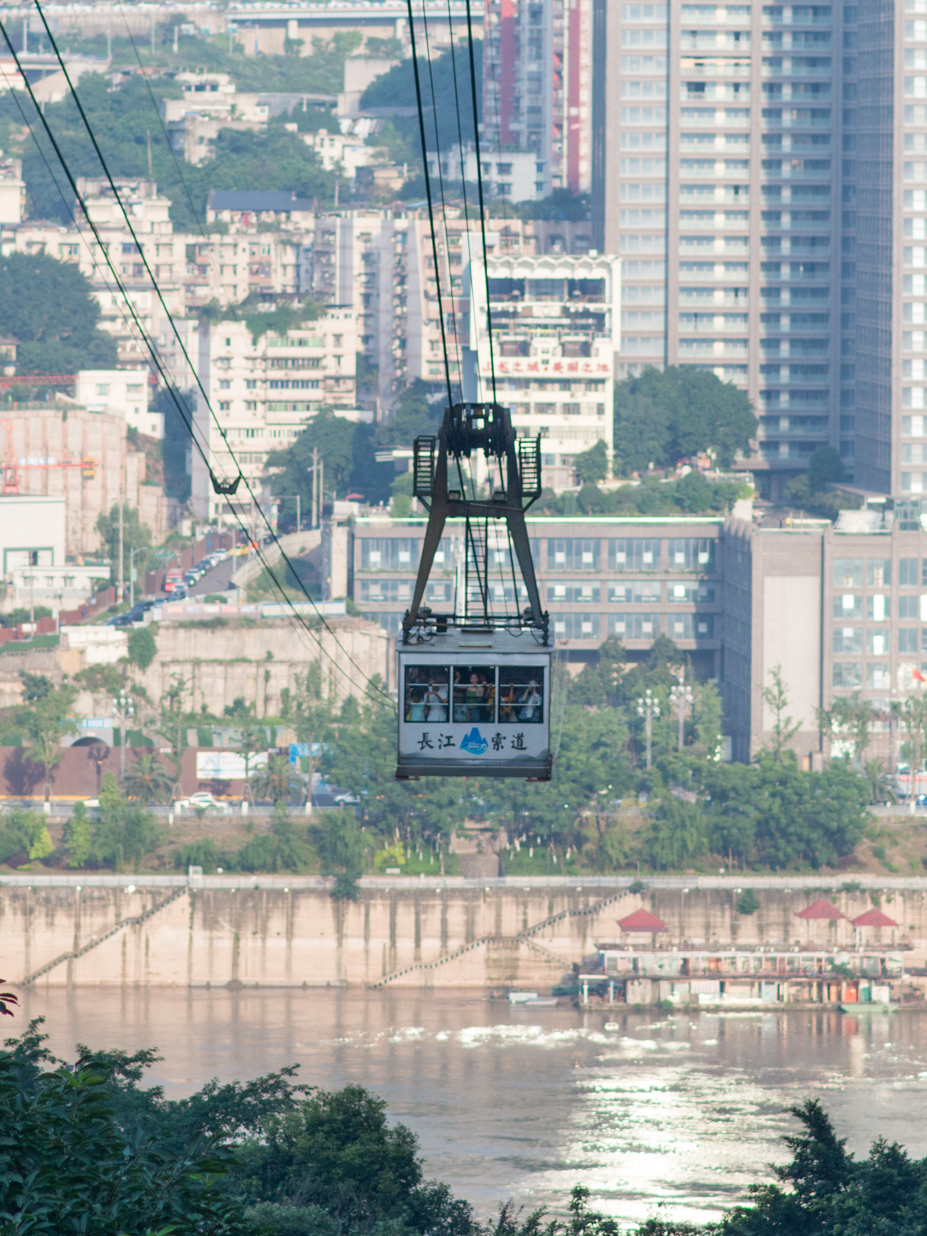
<point>274,931</point>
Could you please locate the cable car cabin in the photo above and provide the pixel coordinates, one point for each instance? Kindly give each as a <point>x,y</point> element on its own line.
<point>474,705</point>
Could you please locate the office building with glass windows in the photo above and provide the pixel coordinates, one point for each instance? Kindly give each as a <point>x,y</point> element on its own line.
<point>837,608</point>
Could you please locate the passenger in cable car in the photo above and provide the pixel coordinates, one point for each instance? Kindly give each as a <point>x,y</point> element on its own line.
<point>532,702</point>
<point>436,701</point>
<point>488,683</point>
<point>474,693</point>
<point>460,698</point>
<point>474,697</point>
<point>415,710</point>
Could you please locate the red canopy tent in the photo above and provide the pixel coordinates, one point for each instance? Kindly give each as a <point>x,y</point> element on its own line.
<point>820,909</point>
<point>873,918</point>
<point>642,920</point>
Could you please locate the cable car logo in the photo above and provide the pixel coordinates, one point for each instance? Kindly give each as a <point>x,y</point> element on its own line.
<point>474,742</point>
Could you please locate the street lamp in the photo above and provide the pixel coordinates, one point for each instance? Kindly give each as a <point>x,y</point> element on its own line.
<point>124,707</point>
<point>648,708</point>
<point>681,699</point>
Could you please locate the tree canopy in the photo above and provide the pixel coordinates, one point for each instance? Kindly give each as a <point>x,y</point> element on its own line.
<point>666,415</point>
<point>48,306</point>
<point>396,88</point>
<point>124,119</point>
<point>348,449</point>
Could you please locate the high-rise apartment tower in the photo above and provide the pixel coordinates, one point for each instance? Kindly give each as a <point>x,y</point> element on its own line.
<point>717,147</point>
<point>537,86</point>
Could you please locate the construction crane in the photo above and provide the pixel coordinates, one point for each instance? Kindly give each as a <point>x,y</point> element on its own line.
<point>474,685</point>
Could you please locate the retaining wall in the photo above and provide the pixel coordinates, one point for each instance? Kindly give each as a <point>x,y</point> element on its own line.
<point>274,931</point>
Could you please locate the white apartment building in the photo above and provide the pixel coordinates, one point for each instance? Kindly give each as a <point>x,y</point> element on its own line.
<point>210,102</point>
<point>339,264</point>
<point>344,152</point>
<point>555,334</point>
<point>263,393</point>
<point>12,190</point>
<point>514,175</point>
<point>120,392</point>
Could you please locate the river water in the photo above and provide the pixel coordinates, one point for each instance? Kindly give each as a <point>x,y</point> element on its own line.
<point>680,1111</point>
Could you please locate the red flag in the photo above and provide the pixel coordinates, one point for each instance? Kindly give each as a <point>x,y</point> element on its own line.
<point>918,675</point>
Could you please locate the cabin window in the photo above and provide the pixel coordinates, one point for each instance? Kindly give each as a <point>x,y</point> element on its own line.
<point>426,693</point>
<point>521,695</point>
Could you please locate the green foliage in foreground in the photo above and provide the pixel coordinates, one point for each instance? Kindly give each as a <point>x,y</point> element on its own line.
<point>84,1148</point>
<point>824,1191</point>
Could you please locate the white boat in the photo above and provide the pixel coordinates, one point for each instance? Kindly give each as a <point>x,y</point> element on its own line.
<point>542,1002</point>
<point>522,997</point>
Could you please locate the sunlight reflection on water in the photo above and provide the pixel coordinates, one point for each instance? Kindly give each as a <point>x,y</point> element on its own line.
<point>682,1111</point>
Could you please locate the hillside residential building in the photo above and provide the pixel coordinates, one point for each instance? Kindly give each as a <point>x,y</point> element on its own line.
<point>555,335</point>
<point>262,392</point>
<point>121,392</point>
<point>513,175</point>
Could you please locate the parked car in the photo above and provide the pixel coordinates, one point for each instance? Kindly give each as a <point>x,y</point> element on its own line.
<point>202,800</point>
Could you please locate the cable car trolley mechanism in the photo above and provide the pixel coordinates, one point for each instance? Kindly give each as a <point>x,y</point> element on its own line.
<point>474,685</point>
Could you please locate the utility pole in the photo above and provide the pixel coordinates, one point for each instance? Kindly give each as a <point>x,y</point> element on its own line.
<point>315,482</point>
<point>648,708</point>
<point>321,489</point>
<point>122,582</point>
<point>148,133</point>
